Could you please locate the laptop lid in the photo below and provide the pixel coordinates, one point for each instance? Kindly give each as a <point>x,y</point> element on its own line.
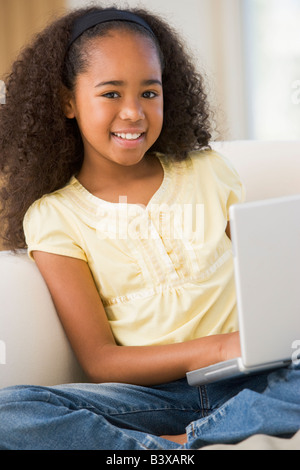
<point>266,248</point>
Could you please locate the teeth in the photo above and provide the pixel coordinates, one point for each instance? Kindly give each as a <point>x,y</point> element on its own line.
<point>128,136</point>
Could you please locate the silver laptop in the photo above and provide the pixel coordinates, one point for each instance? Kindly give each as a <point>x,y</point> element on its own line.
<point>266,250</point>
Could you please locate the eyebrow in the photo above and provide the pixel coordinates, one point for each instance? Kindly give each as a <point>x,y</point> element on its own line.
<point>121,83</point>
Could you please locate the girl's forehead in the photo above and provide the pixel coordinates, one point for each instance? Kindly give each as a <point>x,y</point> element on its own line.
<point>120,50</point>
<point>118,40</point>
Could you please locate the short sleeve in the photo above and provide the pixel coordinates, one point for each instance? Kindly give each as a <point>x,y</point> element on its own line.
<point>48,226</point>
<point>230,186</point>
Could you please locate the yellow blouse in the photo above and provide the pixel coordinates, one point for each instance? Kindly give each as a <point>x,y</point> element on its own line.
<point>164,272</point>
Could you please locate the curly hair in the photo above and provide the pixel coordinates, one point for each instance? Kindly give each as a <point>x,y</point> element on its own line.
<point>40,149</point>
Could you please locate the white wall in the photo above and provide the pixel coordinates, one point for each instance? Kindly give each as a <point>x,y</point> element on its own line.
<point>212,31</point>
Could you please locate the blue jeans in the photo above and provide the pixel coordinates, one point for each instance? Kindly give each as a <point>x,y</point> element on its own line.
<point>127,417</point>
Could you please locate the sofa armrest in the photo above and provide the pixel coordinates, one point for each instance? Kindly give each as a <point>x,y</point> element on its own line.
<point>34,348</point>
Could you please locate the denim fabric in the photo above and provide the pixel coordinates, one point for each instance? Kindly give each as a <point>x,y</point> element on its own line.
<point>127,417</point>
<point>91,416</point>
<point>271,406</point>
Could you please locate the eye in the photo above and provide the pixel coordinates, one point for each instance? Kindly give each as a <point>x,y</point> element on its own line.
<point>111,95</point>
<point>149,94</point>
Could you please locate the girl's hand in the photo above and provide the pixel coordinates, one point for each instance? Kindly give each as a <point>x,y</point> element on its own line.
<point>230,346</point>
<point>210,350</point>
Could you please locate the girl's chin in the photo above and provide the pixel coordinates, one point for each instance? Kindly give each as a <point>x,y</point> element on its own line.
<point>128,160</point>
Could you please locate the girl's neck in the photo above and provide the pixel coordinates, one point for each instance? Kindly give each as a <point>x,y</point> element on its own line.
<point>137,182</point>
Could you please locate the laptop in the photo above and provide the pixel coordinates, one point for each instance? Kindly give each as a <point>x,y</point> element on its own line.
<point>266,252</point>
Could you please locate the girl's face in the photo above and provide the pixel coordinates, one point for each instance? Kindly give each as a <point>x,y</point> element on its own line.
<point>118,100</point>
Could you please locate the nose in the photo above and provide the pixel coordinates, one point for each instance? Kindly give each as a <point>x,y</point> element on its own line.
<point>132,110</point>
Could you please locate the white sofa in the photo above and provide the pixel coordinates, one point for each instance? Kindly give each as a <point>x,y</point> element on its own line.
<point>33,346</point>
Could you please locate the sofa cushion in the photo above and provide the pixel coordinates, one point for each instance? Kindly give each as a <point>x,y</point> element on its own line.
<point>267,169</point>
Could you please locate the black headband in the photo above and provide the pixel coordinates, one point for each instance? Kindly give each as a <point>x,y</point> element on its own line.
<point>93,18</point>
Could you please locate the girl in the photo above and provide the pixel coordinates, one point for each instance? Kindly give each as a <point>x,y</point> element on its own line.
<point>105,148</point>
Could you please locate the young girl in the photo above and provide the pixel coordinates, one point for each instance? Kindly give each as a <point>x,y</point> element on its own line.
<point>105,149</point>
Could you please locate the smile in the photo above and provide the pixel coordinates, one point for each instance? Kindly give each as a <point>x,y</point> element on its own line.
<point>128,136</point>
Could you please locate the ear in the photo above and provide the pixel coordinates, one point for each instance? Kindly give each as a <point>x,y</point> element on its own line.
<point>68,103</point>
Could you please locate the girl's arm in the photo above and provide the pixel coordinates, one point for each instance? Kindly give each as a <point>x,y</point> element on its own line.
<point>83,317</point>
